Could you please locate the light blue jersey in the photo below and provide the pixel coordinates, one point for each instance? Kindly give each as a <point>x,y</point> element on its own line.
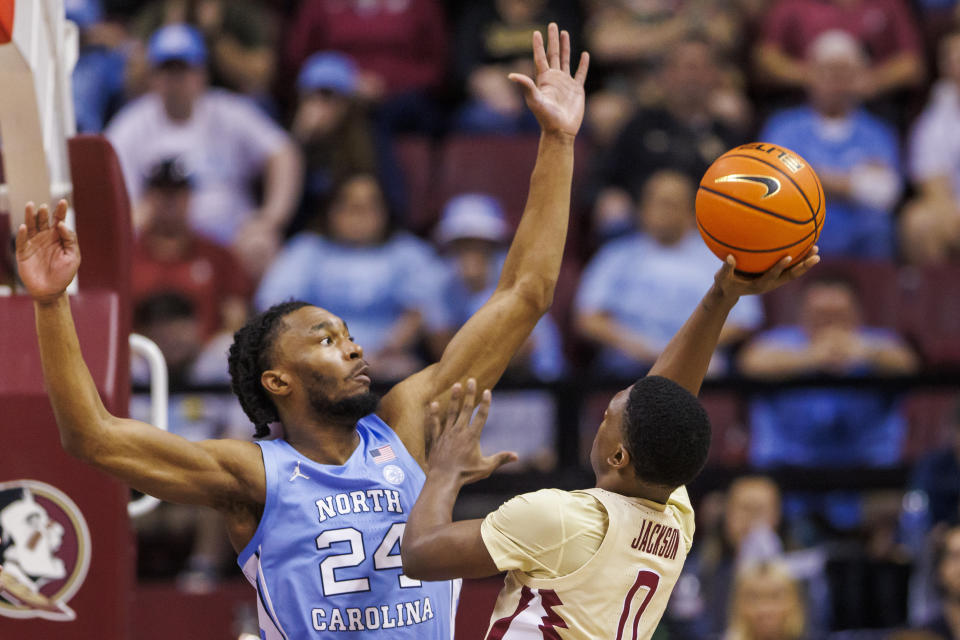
<point>325,559</point>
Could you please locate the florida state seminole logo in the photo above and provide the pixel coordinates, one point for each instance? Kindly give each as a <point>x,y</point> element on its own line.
<point>44,551</point>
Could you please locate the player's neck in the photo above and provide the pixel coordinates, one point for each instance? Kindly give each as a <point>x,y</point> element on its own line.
<point>322,441</point>
<point>633,488</point>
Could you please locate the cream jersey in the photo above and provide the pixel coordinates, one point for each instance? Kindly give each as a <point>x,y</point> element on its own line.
<point>586,564</point>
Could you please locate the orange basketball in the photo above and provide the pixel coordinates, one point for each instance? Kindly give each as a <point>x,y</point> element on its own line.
<point>760,202</point>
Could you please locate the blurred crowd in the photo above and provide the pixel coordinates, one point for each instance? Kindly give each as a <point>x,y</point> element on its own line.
<point>371,157</point>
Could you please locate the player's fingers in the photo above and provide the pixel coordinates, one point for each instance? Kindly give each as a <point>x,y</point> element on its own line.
<point>482,411</point>
<point>21,238</point>
<point>802,268</point>
<point>30,219</point>
<point>565,51</point>
<point>553,45</point>
<point>68,237</point>
<point>539,55</point>
<point>526,83</point>
<point>60,213</point>
<point>43,218</point>
<point>453,405</point>
<point>469,400</point>
<point>497,460</point>
<point>434,426</point>
<point>582,68</point>
<point>774,272</point>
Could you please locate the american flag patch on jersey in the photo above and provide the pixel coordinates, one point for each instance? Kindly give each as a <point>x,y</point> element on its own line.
<point>383,454</point>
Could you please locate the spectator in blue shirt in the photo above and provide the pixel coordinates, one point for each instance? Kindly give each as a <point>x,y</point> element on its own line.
<point>855,154</point>
<point>826,427</point>
<point>473,235</point>
<point>98,78</point>
<point>379,279</point>
<point>638,290</point>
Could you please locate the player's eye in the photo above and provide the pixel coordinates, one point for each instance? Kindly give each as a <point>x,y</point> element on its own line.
<point>352,339</point>
<point>327,341</point>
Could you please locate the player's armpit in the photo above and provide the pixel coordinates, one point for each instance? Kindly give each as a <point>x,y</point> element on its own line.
<point>454,550</point>
<point>210,473</point>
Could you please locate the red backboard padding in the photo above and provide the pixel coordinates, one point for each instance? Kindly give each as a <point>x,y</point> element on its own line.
<point>6,20</point>
<point>30,448</point>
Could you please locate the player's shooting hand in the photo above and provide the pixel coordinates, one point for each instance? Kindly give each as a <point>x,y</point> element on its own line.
<point>455,439</point>
<point>556,98</point>
<point>734,286</point>
<point>48,254</point>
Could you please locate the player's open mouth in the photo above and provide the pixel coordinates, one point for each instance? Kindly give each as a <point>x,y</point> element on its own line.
<point>362,375</point>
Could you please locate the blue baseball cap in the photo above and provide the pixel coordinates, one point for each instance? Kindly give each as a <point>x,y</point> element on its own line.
<point>84,12</point>
<point>328,70</point>
<point>177,42</point>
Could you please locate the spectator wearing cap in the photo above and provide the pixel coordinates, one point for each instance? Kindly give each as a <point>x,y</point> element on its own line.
<point>169,257</point>
<point>855,153</point>
<point>400,49</point>
<point>356,263</point>
<point>239,34</point>
<point>639,289</point>
<point>225,142</point>
<point>333,130</point>
<point>98,77</point>
<point>473,236</point>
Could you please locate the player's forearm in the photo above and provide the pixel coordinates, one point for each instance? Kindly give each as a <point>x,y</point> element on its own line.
<point>431,513</point>
<point>533,262</point>
<point>76,403</point>
<point>687,356</point>
<point>284,178</point>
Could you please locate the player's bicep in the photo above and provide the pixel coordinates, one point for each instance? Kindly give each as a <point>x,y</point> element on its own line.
<point>174,469</point>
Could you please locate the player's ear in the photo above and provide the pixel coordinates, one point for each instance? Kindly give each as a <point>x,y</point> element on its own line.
<point>620,458</point>
<point>276,382</point>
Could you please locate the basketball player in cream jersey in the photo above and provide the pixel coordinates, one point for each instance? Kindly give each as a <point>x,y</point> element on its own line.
<point>601,562</point>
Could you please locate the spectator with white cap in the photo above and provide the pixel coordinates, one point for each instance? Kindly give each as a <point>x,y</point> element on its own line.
<point>473,235</point>
<point>225,142</point>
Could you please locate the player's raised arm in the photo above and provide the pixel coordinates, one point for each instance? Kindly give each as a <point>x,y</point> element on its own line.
<point>688,354</point>
<point>486,343</point>
<point>212,473</point>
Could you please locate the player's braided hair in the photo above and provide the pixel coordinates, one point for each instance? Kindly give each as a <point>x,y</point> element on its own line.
<point>667,432</point>
<point>250,355</point>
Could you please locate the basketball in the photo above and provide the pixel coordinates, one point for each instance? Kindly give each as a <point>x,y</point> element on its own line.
<point>760,202</point>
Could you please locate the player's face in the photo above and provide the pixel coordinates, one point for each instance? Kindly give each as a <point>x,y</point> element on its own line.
<point>326,365</point>
<point>950,564</point>
<point>609,433</point>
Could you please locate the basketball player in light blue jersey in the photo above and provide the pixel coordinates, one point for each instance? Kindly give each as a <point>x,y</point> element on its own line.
<point>317,515</point>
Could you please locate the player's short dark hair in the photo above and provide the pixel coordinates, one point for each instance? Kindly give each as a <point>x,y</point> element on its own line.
<point>667,432</point>
<point>250,355</point>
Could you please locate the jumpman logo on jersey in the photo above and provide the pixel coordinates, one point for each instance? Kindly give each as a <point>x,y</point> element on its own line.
<point>297,474</point>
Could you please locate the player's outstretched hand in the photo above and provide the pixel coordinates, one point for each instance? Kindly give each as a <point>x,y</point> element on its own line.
<point>556,98</point>
<point>781,273</point>
<point>455,440</point>
<point>48,254</point>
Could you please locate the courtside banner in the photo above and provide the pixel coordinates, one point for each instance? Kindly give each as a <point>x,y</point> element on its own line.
<point>6,20</point>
